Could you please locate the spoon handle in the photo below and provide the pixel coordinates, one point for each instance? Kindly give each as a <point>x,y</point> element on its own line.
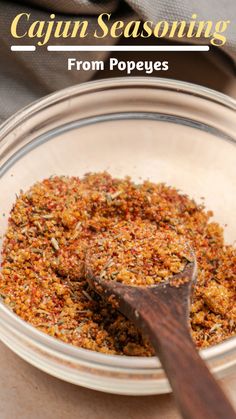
<point>164,319</point>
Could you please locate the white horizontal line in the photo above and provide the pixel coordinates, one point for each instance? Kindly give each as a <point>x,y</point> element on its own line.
<point>23,48</point>
<point>128,48</point>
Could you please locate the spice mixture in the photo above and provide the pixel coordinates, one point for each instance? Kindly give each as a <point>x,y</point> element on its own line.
<point>137,253</point>
<point>50,228</point>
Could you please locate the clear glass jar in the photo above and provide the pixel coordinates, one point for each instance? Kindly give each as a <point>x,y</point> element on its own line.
<point>169,131</point>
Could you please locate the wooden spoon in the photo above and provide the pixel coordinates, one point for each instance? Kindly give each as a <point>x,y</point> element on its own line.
<point>162,313</point>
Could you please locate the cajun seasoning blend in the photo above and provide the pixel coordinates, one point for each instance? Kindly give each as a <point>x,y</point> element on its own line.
<point>54,225</point>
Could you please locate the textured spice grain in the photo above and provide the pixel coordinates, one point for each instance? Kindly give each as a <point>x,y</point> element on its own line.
<point>50,227</point>
<point>137,253</point>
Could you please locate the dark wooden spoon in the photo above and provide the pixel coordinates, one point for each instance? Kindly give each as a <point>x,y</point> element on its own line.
<point>162,313</point>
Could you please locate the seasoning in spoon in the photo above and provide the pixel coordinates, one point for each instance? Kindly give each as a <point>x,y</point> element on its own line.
<point>137,253</point>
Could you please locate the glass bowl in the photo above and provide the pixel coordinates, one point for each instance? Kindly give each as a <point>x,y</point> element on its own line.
<point>167,131</point>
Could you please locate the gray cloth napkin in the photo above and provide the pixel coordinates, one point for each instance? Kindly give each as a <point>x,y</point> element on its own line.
<point>25,77</point>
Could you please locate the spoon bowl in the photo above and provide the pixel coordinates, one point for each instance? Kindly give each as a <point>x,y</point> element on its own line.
<point>127,298</point>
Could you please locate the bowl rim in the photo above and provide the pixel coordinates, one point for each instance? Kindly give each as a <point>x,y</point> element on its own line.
<point>51,343</point>
<point>86,87</point>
